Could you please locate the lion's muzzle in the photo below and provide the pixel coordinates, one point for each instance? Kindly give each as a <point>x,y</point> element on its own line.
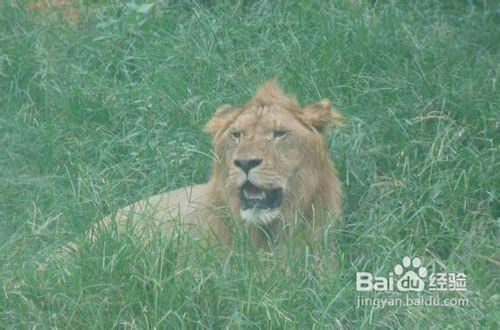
<point>246,164</point>
<point>252,196</point>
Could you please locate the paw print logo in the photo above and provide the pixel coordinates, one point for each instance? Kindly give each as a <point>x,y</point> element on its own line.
<point>412,273</point>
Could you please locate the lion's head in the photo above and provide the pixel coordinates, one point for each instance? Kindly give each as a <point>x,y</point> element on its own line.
<point>272,159</point>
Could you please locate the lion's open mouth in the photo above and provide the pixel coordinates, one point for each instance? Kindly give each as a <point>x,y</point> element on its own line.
<point>252,196</point>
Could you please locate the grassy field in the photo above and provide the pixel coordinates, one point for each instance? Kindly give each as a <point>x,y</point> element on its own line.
<point>102,104</point>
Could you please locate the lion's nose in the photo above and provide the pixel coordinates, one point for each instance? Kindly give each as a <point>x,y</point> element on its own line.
<point>246,164</point>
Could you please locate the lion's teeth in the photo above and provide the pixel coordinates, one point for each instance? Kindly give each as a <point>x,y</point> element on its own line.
<point>251,195</point>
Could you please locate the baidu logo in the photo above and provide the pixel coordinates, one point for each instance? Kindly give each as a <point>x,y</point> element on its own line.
<point>411,275</point>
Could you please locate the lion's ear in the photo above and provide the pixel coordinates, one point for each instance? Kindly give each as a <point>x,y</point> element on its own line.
<point>321,114</point>
<point>222,118</point>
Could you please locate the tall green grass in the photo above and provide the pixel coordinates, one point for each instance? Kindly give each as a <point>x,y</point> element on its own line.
<point>101,114</point>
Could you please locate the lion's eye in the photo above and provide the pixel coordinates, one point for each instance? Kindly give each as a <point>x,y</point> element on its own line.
<point>236,135</point>
<point>279,133</point>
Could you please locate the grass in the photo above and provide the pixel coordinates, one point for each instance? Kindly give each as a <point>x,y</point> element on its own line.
<point>108,110</point>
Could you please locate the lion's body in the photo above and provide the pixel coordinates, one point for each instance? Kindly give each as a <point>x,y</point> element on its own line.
<point>185,203</point>
<point>188,204</point>
<point>272,166</point>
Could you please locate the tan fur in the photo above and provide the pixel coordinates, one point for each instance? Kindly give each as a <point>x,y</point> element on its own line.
<point>297,162</point>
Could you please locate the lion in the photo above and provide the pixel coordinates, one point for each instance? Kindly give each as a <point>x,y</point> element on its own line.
<point>271,164</point>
